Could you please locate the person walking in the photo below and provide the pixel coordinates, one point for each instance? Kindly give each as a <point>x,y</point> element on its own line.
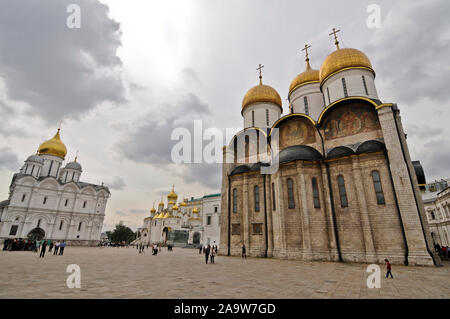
<point>207,251</point>
<point>61,248</point>
<point>388,268</point>
<point>200,250</point>
<point>56,248</point>
<point>244,253</point>
<point>51,247</point>
<point>44,246</point>
<point>212,254</point>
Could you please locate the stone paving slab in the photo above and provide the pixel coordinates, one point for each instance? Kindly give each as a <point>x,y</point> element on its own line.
<point>109,272</point>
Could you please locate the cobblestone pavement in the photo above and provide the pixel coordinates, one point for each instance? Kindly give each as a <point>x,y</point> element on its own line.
<point>124,273</point>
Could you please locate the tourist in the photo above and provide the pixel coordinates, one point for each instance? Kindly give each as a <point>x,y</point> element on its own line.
<point>5,244</point>
<point>61,248</point>
<point>200,250</point>
<point>51,247</point>
<point>207,251</point>
<point>244,253</point>
<point>389,268</point>
<point>56,248</point>
<point>212,254</point>
<point>43,247</point>
<point>38,243</point>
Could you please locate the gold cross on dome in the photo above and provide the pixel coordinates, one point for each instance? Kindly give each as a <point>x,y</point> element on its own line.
<point>259,68</point>
<point>307,46</point>
<point>334,33</point>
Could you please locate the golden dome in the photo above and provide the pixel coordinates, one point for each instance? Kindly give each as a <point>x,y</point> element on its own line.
<point>307,77</point>
<point>195,210</point>
<point>153,210</point>
<point>342,59</point>
<point>261,94</point>
<point>183,203</point>
<point>175,207</point>
<point>166,215</point>
<point>172,195</point>
<point>53,146</point>
<point>171,203</point>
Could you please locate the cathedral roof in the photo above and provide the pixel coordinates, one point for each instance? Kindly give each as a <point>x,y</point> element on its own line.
<point>73,165</point>
<point>343,59</point>
<point>307,77</point>
<point>35,159</point>
<point>261,93</point>
<point>53,146</point>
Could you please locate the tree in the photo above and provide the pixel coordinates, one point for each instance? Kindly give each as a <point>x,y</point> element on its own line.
<point>122,233</point>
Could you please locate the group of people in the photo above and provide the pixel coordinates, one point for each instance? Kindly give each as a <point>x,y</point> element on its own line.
<point>35,245</point>
<point>210,252</point>
<point>443,251</point>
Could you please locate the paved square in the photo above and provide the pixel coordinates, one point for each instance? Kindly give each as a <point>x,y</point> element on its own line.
<point>124,273</point>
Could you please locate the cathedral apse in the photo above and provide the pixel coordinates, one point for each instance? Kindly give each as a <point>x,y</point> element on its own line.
<point>351,120</point>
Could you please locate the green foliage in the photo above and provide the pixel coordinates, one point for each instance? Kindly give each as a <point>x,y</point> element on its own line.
<point>122,233</point>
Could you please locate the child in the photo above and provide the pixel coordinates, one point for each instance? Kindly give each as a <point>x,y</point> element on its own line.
<point>388,267</point>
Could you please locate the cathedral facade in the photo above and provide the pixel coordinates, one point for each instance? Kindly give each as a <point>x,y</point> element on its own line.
<point>192,221</point>
<point>49,201</point>
<point>345,188</point>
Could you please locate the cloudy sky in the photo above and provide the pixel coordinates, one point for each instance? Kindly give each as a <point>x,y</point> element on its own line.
<point>136,70</point>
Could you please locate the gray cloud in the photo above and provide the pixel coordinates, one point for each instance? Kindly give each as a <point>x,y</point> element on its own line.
<point>8,159</point>
<point>117,183</point>
<point>435,159</point>
<point>410,52</point>
<point>60,72</point>
<point>423,131</point>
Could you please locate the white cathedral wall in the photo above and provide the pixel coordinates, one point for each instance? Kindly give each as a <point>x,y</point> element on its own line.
<point>260,115</point>
<point>354,83</point>
<point>55,167</point>
<point>211,232</point>
<point>315,100</point>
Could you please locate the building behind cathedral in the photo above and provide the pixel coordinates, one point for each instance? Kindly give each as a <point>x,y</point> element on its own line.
<point>49,200</point>
<point>194,221</point>
<point>345,190</point>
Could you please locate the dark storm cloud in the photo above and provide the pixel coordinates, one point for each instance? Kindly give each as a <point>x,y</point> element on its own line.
<point>8,159</point>
<point>410,52</point>
<point>60,72</point>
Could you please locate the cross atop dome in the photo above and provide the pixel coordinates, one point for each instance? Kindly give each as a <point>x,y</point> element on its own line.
<point>307,46</point>
<point>259,68</point>
<point>334,33</point>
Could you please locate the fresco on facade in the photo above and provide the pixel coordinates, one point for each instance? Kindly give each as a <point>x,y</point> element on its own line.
<point>296,132</point>
<point>350,120</point>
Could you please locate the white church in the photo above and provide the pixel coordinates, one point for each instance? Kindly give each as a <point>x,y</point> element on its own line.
<point>47,200</point>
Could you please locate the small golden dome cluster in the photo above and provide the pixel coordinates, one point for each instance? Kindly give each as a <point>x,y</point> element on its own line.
<point>53,146</point>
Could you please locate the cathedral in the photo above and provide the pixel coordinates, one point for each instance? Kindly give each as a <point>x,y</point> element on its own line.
<point>48,200</point>
<point>345,188</point>
<point>193,221</point>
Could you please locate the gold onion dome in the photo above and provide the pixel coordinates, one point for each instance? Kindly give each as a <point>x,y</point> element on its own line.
<point>343,59</point>
<point>172,195</point>
<point>261,93</point>
<point>307,77</point>
<point>153,210</point>
<point>195,210</point>
<point>53,146</point>
<point>175,207</point>
<point>183,203</point>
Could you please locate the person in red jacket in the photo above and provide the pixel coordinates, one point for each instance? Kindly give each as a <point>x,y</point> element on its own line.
<point>389,268</point>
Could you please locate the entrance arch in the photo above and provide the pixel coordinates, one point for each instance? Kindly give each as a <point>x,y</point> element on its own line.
<point>196,238</point>
<point>36,234</point>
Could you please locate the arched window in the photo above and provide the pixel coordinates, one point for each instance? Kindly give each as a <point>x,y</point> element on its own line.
<point>79,226</point>
<point>66,202</point>
<point>267,117</point>
<point>61,225</point>
<point>342,192</point>
<point>235,200</point>
<point>84,204</point>
<point>253,117</point>
<point>378,189</point>
<point>247,148</point>
<point>328,93</point>
<point>45,200</point>
<point>23,197</point>
<point>290,189</point>
<point>38,223</point>
<point>315,193</point>
<point>274,206</point>
<point>344,86</point>
<point>256,195</point>
<point>365,85</point>
<point>305,101</point>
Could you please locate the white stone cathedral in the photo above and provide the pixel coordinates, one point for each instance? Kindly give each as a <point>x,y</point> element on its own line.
<point>49,201</point>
